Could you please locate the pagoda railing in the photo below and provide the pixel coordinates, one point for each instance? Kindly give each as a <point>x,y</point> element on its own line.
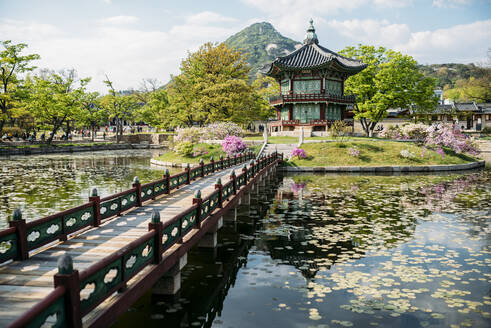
<point>311,97</point>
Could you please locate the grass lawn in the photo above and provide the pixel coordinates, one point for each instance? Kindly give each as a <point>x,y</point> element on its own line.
<point>294,140</point>
<point>214,150</point>
<point>379,153</point>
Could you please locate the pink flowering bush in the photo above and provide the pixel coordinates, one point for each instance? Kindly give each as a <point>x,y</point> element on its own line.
<point>354,152</point>
<point>219,131</point>
<point>405,132</point>
<point>192,134</point>
<point>298,153</point>
<point>233,145</point>
<point>445,135</point>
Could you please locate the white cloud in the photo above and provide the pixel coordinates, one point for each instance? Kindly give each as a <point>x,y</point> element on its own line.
<point>119,20</point>
<point>209,17</point>
<point>117,48</point>
<point>393,3</point>
<point>460,43</point>
<point>450,3</point>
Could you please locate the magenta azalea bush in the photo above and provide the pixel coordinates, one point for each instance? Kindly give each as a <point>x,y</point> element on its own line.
<point>298,153</point>
<point>233,145</point>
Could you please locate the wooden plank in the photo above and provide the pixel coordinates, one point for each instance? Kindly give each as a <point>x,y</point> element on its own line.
<point>45,280</point>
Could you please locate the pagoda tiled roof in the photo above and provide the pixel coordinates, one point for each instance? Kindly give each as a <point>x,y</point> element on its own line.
<point>312,55</point>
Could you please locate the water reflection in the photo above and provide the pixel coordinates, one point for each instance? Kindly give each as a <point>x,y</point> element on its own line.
<point>44,184</point>
<point>343,251</point>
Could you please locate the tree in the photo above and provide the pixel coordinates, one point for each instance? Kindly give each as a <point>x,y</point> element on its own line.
<point>119,107</point>
<point>391,80</point>
<point>472,89</point>
<point>91,114</point>
<point>155,111</point>
<point>213,86</point>
<point>55,98</point>
<point>12,65</point>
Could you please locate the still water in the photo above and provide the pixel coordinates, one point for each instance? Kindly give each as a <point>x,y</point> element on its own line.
<point>342,251</point>
<point>46,184</point>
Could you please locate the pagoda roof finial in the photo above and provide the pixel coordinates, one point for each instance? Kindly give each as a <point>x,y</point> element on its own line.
<point>311,37</point>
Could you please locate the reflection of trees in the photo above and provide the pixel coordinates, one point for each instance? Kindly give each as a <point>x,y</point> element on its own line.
<point>49,183</point>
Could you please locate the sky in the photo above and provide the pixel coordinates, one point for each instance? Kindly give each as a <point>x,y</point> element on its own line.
<point>130,40</point>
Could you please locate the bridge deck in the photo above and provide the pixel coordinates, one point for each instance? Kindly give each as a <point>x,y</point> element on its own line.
<point>25,283</point>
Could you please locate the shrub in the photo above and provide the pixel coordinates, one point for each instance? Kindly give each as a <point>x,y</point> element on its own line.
<point>407,131</point>
<point>354,152</point>
<point>200,152</point>
<point>184,148</point>
<point>406,153</point>
<point>298,153</point>
<point>445,135</point>
<point>339,130</point>
<point>192,134</point>
<point>233,145</point>
<point>219,131</point>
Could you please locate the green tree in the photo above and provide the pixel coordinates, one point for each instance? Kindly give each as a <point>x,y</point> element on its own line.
<point>213,86</point>
<point>55,98</point>
<point>91,113</point>
<point>472,89</point>
<point>156,110</point>
<point>391,80</point>
<point>119,107</point>
<point>12,66</point>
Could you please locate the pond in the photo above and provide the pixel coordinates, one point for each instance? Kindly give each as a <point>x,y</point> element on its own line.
<point>342,251</point>
<point>46,184</point>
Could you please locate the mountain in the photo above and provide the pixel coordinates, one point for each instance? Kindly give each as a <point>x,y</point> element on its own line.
<point>448,74</point>
<point>262,43</point>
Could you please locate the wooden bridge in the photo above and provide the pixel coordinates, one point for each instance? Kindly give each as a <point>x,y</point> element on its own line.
<point>87,265</point>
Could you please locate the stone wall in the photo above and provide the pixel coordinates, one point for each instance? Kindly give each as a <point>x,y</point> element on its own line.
<point>147,138</point>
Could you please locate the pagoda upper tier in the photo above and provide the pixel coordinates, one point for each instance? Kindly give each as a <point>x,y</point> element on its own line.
<point>312,56</point>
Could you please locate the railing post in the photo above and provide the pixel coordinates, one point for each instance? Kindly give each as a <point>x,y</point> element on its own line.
<point>221,162</point>
<point>218,185</point>
<point>202,166</point>
<point>234,181</point>
<point>156,225</point>
<point>188,174</point>
<point>68,278</point>
<point>21,230</point>
<point>244,170</point>
<point>138,186</point>
<point>251,164</point>
<point>96,205</point>
<point>212,161</point>
<point>228,160</point>
<point>198,201</point>
<point>167,181</point>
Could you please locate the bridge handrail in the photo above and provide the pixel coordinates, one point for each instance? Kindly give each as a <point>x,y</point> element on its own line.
<point>101,281</point>
<point>27,236</point>
<point>52,305</point>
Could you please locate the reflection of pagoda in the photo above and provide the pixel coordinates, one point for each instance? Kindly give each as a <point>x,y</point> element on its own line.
<point>312,87</point>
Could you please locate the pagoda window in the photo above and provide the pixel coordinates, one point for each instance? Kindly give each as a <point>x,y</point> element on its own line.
<point>285,87</point>
<point>334,87</point>
<point>284,114</point>
<point>306,112</point>
<point>306,86</point>
<point>333,112</point>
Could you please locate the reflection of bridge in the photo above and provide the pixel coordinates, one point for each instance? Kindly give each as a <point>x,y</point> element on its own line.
<point>120,254</point>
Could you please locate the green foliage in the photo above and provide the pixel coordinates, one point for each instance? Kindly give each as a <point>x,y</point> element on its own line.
<point>12,66</point>
<point>55,98</point>
<point>262,44</point>
<point>213,86</point>
<point>472,89</point>
<point>391,80</point>
<point>447,75</point>
<point>339,130</point>
<point>184,148</point>
<point>156,110</point>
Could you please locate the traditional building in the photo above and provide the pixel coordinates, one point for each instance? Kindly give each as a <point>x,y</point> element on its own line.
<point>312,88</point>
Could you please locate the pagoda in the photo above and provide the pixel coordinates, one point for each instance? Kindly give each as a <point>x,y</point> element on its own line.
<point>311,88</point>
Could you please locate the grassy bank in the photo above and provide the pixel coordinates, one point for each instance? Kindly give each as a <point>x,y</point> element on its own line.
<point>294,140</point>
<point>202,150</point>
<point>380,153</point>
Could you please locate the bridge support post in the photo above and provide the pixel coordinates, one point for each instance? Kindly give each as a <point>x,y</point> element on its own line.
<point>209,240</point>
<point>170,282</point>
<point>231,215</point>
